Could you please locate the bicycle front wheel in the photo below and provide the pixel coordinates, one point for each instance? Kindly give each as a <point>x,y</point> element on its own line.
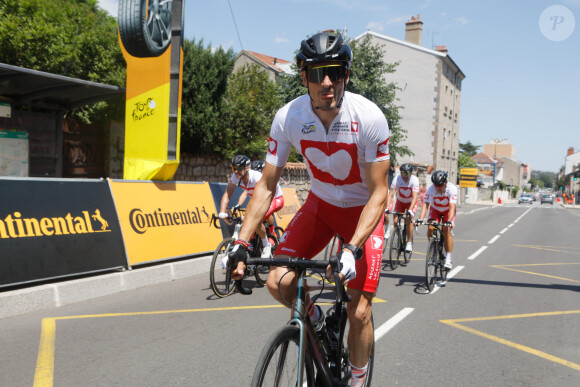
<point>278,363</point>
<point>333,248</point>
<point>395,248</point>
<point>431,266</point>
<point>261,274</point>
<point>442,269</point>
<point>217,275</point>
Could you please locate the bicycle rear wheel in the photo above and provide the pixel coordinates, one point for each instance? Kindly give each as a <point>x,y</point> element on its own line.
<point>217,275</point>
<point>261,274</point>
<point>395,248</point>
<point>406,254</point>
<point>278,363</point>
<point>431,266</point>
<point>332,248</point>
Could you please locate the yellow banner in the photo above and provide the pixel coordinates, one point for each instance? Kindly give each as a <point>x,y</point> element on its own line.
<point>165,219</point>
<point>467,184</point>
<point>291,207</point>
<point>147,117</point>
<point>468,171</point>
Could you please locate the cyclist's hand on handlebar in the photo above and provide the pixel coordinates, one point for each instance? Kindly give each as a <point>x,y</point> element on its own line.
<point>237,260</point>
<point>387,212</point>
<point>222,215</point>
<point>419,222</point>
<point>411,214</point>
<point>450,223</point>
<point>236,207</point>
<point>347,266</point>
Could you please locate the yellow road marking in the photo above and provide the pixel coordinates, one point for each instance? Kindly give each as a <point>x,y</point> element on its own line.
<point>43,377</point>
<point>509,267</point>
<point>455,323</point>
<point>550,249</point>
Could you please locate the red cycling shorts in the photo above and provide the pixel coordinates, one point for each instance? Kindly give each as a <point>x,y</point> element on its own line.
<point>275,206</point>
<point>401,207</point>
<point>436,215</point>
<point>317,222</point>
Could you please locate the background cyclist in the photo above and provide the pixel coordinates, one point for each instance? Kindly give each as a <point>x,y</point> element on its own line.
<point>344,140</point>
<point>441,197</point>
<point>406,186</point>
<point>389,207</point>
<point>247,178</point>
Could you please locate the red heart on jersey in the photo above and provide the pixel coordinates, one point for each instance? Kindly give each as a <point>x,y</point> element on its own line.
<point>405,192</point>
<point>443,202</point>
<point>332,162</point>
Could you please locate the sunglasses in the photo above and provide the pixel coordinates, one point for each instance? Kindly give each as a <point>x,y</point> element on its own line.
<point>406,173</point>
<point>334,72</point>
<point>238,169</point>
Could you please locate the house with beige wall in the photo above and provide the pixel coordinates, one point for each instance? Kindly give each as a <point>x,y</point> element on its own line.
<point>430,95</point>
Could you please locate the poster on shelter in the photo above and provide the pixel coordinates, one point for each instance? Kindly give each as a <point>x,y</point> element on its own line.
<point>13,153</point>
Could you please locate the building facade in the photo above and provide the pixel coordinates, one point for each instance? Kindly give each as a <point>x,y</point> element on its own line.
<point>275,67</point>
<point>499,148</point>
<point>430,97</point>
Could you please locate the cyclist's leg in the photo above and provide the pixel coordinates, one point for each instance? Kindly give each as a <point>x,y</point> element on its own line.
<point>306,235</point>
<point>448,242</point>
<point>411,225</point>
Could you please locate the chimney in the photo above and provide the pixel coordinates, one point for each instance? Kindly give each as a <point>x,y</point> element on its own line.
<point>442,49</point>
<point>570,151</point>
<point>414,30</point>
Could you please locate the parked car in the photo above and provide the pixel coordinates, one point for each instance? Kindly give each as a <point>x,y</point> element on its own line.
<point>526,198</point>
<point>547,199</point>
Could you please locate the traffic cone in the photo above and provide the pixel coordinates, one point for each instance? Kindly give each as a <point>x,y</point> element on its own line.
<point>498,200</point>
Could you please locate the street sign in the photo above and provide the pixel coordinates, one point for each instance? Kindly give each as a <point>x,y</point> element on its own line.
<point>468,178</point>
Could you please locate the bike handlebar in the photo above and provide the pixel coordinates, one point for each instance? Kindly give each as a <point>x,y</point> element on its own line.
<point>295,263</point>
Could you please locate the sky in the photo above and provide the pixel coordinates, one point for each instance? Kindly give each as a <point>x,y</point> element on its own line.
<point>521,59</point>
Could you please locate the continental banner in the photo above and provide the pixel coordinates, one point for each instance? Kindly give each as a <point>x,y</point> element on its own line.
<point>162,220</point>
<point>52,228</point>
<point>291,207</point>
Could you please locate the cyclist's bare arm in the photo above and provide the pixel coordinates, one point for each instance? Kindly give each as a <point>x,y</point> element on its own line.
<point>375,207</point>
<point>390,197</point>
<point>242,198</point>
<point>452,207</point>
<point>226,196</point>
<point>424,210</point>
<point>414,200</point>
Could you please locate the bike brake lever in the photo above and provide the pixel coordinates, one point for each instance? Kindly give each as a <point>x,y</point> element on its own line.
<point>241,289</point>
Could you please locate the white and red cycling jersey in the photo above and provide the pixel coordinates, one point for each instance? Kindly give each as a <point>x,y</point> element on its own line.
<point>405,192</point>
<point>336,160</point>
<point>439,203</point>
<point>253,178</point>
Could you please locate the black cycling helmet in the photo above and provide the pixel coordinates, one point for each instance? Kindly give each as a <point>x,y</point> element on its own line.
<point>406,168</point>
<point>240,161</point>
<point>439,177</point>
<point>257,165</point>
<point>323,47</point>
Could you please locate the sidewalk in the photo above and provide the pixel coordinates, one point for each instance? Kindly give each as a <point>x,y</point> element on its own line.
<point>36,298</point>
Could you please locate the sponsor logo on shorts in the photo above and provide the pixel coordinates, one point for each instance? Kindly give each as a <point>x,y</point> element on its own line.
<point>377,242</point>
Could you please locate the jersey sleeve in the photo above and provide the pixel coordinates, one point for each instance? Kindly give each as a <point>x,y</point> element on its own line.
<point>279,143</point>
<point>234,179</point>
<point>415,182</point>
<point>453,194</point>
<point>429,194</point>
<point>377,136</point>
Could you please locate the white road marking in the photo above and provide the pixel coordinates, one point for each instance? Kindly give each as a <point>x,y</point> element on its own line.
<point>504,230</point>
<point>391,323</point>
<point>495,238</point>
<point>474,255</point>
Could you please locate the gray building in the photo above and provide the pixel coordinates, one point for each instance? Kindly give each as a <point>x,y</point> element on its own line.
<point>430,94</point>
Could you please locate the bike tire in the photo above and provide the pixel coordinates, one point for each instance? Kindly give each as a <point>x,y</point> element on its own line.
<point>261,275</point>
<point>395,248</point>
<point>281,354</point>
<point>442,269</point>
<point>142,33</point>
<point>217,275</point>
<point>431,266</point>
<point>406,254</point>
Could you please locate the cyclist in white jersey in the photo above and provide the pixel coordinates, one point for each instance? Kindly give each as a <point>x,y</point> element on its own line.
<point>247,179</point>
<point>406,186</point>
<point>344,140</point>
<point>442,198</point>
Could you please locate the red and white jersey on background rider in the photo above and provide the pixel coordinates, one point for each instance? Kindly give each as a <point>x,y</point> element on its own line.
<point>253,178</point>
<point>336,161</point>
<point>440,202</point>
<point>405,190</point>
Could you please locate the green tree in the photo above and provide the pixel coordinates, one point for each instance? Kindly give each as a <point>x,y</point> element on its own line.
<point>205,74</point>
<point>469,148</point>
<point>75,38</point>
<point>249,106</point>
<point>464,161</point>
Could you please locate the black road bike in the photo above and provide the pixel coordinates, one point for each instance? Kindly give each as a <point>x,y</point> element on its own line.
<point>399,241</point>
<point>435,261</point>
<point>297,354</point>
<point>217,274</point>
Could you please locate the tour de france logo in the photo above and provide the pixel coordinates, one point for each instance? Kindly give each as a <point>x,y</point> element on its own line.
<point>143,109</point>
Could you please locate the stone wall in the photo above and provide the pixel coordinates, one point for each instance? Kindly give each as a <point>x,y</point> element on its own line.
<point>216,170</point>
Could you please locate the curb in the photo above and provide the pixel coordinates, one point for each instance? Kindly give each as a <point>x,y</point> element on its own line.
<point>34,299</point>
